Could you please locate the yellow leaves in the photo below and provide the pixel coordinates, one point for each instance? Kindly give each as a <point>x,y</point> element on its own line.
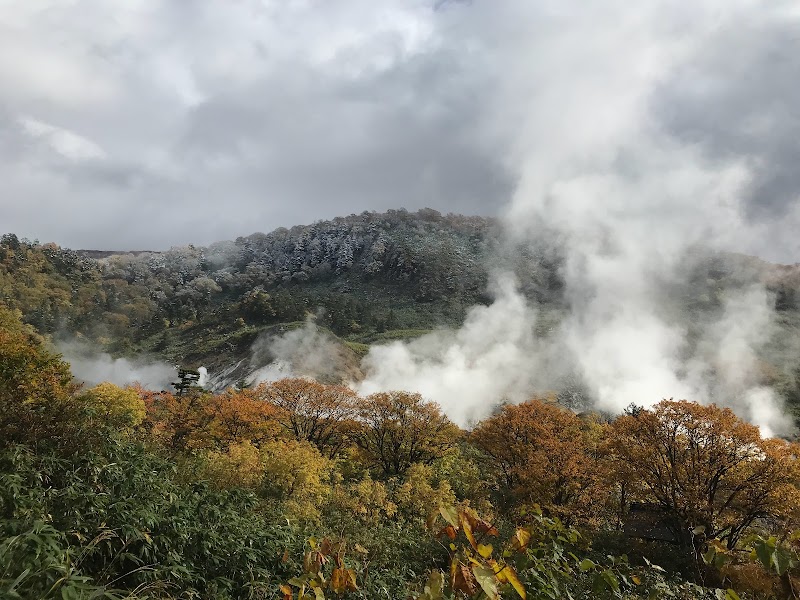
<point>467,528</point>
<point>36,390</point>
<point>521,539</point>
<point>343,580</point>
<point>120,408</point>
<point>472,566</point>
<point>240,466</point>
<point>471,524</point>
<point>506,573</point>
<point>476,523</point>
<point>367,500</point>
<point>416,495</point>
<point>297,475</point>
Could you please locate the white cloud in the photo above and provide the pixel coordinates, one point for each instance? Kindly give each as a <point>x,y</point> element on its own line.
<point>67,143</point>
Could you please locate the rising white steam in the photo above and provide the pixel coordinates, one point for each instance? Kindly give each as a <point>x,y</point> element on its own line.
<point>492,357</point>
<point>92,368</point>
<point>626,200</point>
<point>726,368</point>
<point>204,379</point>
<point>307,351</point>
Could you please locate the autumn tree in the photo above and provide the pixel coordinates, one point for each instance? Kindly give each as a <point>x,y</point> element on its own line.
<point>115,407</point>
<point>178,422</point>
<point>312,412</point>
<point>239,465</point>
<point>399,429</point>
<point>418,496</point>
<point>239,416</point>
<point>37,402</point>
<point>367,500</point>
<point>706,468</point>
<point>298,476</point>
<point>541,453</point>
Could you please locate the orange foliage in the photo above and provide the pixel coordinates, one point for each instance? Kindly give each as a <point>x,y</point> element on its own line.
<point>201,420</point>
<point>312,412</point>
<point>237,417</point>
<point>543,454</point>
<point>705,466</point>
<point>177,422</point>
<point>398,429</point>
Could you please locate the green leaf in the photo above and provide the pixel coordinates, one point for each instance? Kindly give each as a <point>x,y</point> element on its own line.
<point>782,561</point>
<point>731,595</point>
<point>611,580</point>
<point>17,581</point>
<point>586,565</point>
<point>450,514</point>
<point>486,578</point>
<point>764,553</point>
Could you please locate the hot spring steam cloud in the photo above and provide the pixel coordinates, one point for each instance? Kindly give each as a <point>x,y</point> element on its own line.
<point>601,170</point>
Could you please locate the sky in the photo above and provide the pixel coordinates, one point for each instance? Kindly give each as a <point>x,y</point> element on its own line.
<point>158,123</point>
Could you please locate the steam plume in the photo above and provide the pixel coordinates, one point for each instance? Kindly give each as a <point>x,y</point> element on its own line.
<point>93,368</point>
<point>627,200</point>
<point>492,356</point>
<point>308,351</point>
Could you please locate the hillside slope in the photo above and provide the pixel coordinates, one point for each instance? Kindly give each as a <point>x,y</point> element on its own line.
<point>365,278</point>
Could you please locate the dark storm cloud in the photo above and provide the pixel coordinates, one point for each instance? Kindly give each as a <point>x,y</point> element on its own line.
<point>739,97</point>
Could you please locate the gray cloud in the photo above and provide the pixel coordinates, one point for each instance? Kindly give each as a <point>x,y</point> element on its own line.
<point>164,123</point>
<point>280,114</point>
<point>739,98</point>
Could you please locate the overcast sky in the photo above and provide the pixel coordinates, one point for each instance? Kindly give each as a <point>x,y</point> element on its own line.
<point>148,124</point>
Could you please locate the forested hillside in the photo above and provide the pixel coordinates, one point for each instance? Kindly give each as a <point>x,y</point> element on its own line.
<point>362,275</point>
<point>366,278</point>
